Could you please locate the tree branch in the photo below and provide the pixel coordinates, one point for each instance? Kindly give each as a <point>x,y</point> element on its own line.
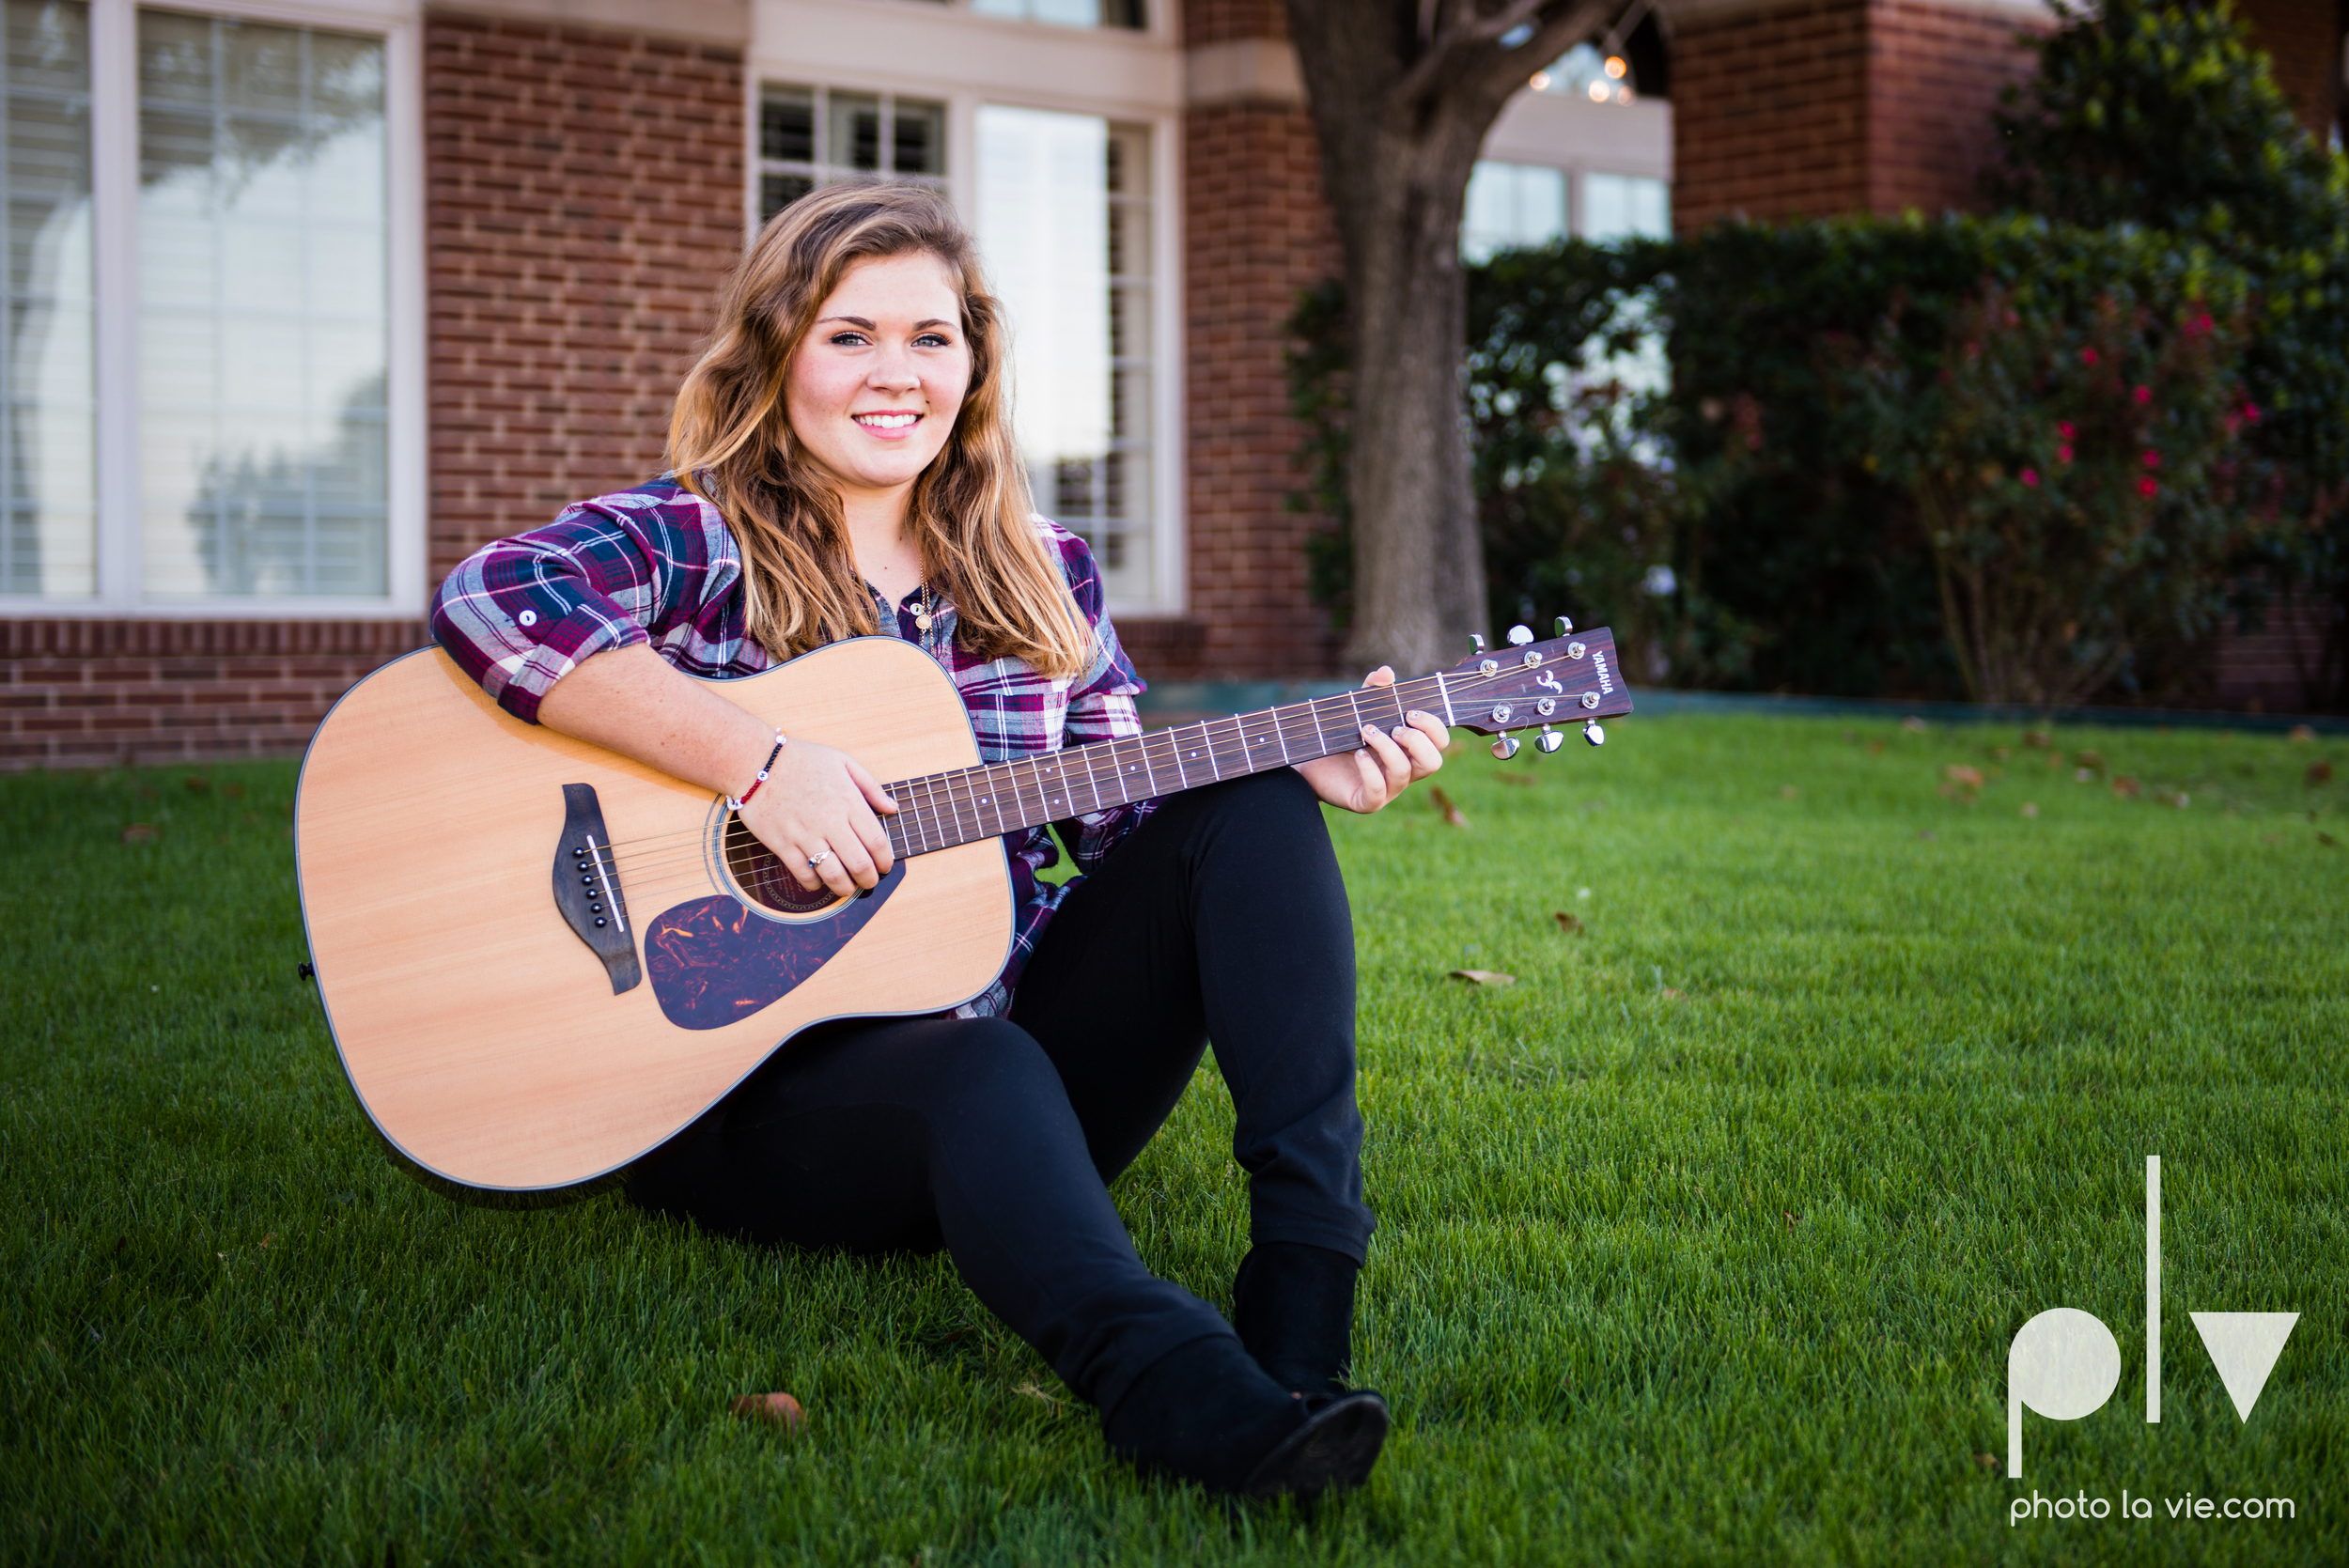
<point>1451,52</point>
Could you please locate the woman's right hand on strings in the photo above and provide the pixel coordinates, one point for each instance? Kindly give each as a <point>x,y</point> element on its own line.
<point>818,803</point>
<point>821,804</point>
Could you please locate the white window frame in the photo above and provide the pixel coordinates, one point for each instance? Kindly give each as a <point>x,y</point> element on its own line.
<point>114,217</point>
<point>948,54</point>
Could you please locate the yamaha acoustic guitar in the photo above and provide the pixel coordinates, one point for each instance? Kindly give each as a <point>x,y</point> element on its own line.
<point>540,960</point>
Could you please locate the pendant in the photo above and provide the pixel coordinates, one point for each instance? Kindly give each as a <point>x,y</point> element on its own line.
<point>921,619</point>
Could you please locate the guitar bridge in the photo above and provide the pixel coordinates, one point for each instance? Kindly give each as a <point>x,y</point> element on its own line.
<point>587,887</point>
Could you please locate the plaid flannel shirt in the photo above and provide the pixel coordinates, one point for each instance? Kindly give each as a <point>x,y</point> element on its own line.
<point>658,565</point>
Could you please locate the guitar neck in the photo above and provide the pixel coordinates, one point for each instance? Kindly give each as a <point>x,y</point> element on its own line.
<point>939,811</point>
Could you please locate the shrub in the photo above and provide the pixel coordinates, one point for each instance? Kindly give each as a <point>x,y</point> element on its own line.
<point>2165,117</point>
<point>2075,471</point>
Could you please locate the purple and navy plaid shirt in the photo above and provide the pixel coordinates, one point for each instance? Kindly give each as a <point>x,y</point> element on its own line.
<point>658,565</point>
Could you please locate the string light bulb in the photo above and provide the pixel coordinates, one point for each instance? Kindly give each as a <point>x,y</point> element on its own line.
<point>1617,66</point>
<point>1599,92</point>
<point>1540,82</point>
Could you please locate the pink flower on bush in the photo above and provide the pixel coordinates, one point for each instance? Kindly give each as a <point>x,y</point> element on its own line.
<point>2251,412</point>
<point>2153,459</point>
<point>2087,356</point>
<point>2064,454</point>
<point>2030,478</point>
<point>2146,486</point>
<point>2144,395</point>
<point>2063,428</point>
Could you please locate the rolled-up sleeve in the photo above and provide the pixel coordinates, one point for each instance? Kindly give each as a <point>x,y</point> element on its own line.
<point>519,614</point>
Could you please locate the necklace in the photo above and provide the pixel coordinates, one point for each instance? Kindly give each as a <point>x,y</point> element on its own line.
<point>925,610</point>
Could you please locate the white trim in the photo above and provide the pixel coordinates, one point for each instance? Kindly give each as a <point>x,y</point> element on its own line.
<point>925,50</point>
<point>1170,535</point>
<point>113,173</point>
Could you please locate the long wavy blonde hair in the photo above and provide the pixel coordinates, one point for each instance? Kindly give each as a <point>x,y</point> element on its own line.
<point>731,444</point>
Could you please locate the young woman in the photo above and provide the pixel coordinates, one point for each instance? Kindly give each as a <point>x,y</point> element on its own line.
<point>843,466</point>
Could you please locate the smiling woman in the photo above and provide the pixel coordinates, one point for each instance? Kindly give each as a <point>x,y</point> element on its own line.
<point>843,466</point>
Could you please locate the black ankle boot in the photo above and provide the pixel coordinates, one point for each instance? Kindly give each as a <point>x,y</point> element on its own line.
<point>1208,1413</point>
<point>1294,1307</point>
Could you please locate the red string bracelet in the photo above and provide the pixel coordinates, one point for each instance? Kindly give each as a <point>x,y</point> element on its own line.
<point>738,802</point>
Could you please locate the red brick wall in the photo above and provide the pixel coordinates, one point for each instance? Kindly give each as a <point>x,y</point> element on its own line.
<point>94,693</point>
<point>2303,41</point>
<point>1256,233</point>
<point>1836,106</point>
<point>583,196</point>
<point>1771,113</point>
<point>1934,77</point>
<point>583,199</point>
<point>2271,670</point>
<point>1207,22</point>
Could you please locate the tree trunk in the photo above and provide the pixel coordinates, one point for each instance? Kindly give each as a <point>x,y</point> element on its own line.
<point>1403,92</point>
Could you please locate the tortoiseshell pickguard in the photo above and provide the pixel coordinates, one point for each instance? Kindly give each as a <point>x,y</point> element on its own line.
<point>713,960</point>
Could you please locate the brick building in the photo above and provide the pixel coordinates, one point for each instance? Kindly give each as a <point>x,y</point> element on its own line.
<point>311,297</point>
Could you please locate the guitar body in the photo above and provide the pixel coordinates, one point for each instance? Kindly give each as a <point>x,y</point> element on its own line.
<point>484,1037</point>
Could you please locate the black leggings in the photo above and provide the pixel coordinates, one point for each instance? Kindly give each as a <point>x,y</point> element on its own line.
<point>1222,918</point>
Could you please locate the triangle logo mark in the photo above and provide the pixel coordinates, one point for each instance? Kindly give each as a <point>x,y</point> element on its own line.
<point>2243,1347</point>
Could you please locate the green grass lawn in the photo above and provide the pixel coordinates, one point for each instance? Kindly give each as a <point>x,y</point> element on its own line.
<point>1703,1242</point>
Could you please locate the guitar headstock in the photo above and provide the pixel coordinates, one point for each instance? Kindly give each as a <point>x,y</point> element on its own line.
<point>1572,678</point>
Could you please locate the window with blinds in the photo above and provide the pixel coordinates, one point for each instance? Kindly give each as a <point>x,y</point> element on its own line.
<point>262,310</point>
<point>48,509</point>
<point>1064,219</point>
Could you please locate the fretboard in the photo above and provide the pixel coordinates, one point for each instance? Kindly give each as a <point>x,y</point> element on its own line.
<point>939,811</point>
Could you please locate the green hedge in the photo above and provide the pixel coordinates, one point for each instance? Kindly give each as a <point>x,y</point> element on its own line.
<point>1778,491</point>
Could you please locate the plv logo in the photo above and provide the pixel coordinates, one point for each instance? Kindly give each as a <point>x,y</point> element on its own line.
<point>2064,1363</point>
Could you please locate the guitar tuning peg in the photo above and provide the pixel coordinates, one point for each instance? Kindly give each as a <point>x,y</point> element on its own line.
<point>1521,635</point>
<point>1505,747</point>
<point>1594,733</point>
<point>1549,740</point>
<point>1477,638</point>
<point>1565,625</point>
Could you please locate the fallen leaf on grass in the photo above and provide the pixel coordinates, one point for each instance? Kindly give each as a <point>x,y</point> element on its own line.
<point>1484,977</point>
<point>1507,777</point>
<point>2125,785</point>
<point>1669,994</point>
<point>2090,759</point>
<point>233,791</point>
<point>2320,772</point>
<point>1987,1461</point>
<point>1963,776</point>
<point>1788,792</point>
<point>2035,737</point>
<point>2329,841</point>
<point>2179,800</point>
<point>197,785</point>
<point>1913,724</point>
<point>779,1410</point>
<point>1926,834</point>
<point>1570,923</point>
<point>1876,748</point>
<point>2301,734</point>
<point>1444,803</point>
<point>1028,1390</point>
<point>2031,808</point>
<point>138,833</point>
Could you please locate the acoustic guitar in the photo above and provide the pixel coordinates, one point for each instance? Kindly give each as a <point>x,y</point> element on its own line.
<point>539,960</point>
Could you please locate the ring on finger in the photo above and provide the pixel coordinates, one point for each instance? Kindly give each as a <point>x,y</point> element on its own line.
<point>817,859</point>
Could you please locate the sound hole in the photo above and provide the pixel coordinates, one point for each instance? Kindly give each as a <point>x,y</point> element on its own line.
<point>764,878</point>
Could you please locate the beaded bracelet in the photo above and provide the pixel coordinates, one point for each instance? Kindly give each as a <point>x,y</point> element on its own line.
<point>737,803</point>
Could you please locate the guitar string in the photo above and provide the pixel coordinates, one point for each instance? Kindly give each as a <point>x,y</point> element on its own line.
<point>1217,754</point>
<point>647,871</point>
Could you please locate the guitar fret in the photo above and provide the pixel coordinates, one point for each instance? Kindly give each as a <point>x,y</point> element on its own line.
<point>939,811</point>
